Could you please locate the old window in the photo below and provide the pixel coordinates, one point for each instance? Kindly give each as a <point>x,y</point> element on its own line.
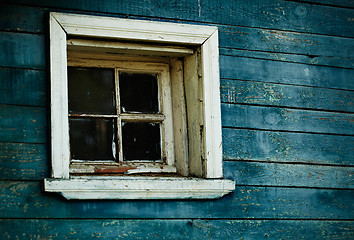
<point>135,109</point>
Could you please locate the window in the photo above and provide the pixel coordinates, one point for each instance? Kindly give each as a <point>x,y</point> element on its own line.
<point>135,109</point>
<point>120,117</point>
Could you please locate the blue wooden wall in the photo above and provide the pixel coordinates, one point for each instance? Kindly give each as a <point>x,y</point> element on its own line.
<point>287,81</point>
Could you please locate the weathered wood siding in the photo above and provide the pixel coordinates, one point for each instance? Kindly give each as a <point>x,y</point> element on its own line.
<point>287,91</point>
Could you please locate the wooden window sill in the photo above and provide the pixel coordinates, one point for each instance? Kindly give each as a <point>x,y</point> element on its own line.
<point>107,187</point>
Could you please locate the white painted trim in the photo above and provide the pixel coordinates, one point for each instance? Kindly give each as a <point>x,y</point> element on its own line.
<point>127,29</point>
<point>139,188</point>
<point>98,46</point>
<point>208,112</point>
<point>59,101</point>
<point>212,112</point>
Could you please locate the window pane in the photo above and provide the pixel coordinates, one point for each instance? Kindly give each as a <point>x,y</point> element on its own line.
<point>141,141</point>
<point>91,90</point>
<point>138,92</point>
<point>92,138</point>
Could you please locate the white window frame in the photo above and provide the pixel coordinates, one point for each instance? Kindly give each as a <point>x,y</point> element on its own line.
<point>201,74</point>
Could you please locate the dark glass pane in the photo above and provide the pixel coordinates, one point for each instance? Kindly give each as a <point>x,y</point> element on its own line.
<point>141,141</point>
<point>91,90</point>
<point>92,138</point>
<point>138,92</point>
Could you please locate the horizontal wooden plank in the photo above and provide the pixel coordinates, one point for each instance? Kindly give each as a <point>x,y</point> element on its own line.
<point>285,72</point>
<point>256,39</point>
<point>27,200</point>
<point>22,229</point>
<point>18,51</point>
<point>31,19</point>
<point>273,118</point>
<point>271,14</point>
<point>275,174</point>
<point>342,3</point>
<point>20,161</point>
<point>22,50</point>
<point>24,161</point>
<point>287,147</point>
<point>23,124</point>
<point>23,87</point>
<point>234,91</point>
<point>293,58</point>
<point>22,18</point>
<point>30,161</point>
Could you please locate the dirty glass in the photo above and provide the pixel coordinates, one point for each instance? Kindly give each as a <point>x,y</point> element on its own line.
<point>92,138</point>
<point>138,92</point>
<point>141,141</point>
<point>91,90</point>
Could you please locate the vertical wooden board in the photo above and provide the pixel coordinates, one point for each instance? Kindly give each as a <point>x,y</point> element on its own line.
<point>294,175</point>
<point>23,87</point>
<point>27,200</point>
<point>23,124</point>
<point>21,18</point>
<point>21,161</point>
<point>311,45</point>
<point>22,50</point>
<point>249,92</point>
<point>173,229</point>
<point>288,147</point>
<point>284,57</point>
<point>287,73</point>
<point>273,118</point>
<point>192,85</point>
<point>271,14</point>
<point>179,117</point>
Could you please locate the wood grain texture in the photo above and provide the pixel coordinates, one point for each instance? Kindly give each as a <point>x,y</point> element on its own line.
<point>287,147</point>
<point>23,124</point>
<point>22,50</point>
<point>27,200</point>
<point>23,87</point>
<point>19,52</point>
<point>342,3</point>
<point>293,58</point>
<point>275,174</point>
<point>249,92</point>
<point>22,229</point>
<point>314,49</point>
<point>284,72</point>
<point>31,19</point>
<point>312,45</point>
<point>23,161</point>
<point>273,118</point>
<point>271,14</point>
<point>21,18</point>
<point>30,162</point>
